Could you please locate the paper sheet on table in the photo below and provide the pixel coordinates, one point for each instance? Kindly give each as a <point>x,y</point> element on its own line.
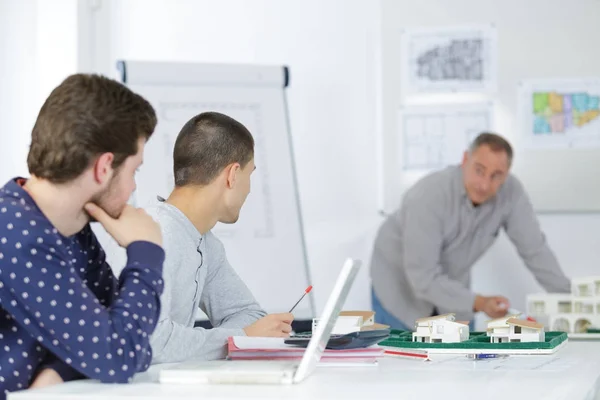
<point>246,343</point>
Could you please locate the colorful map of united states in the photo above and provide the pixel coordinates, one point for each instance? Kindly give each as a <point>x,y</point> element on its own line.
<point>557,113</point>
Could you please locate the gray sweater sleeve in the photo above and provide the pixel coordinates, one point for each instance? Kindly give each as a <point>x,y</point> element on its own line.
<point>422,242</point>
<point>523,229</point>
<point>226,299</point>
<point>230,306</point>
<point>173,342</point>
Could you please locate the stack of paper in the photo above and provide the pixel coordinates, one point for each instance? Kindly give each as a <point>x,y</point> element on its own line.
<point>258,348</point>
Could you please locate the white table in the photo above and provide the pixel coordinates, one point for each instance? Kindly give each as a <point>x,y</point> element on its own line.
<point>572,373</point>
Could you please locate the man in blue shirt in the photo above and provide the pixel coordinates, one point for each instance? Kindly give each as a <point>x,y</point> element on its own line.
<point>63,315</point>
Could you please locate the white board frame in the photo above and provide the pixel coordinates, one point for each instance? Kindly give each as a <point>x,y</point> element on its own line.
<point>247,75</point>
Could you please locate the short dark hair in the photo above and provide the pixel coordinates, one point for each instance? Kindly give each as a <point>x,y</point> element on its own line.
<point>85,116</point>
<point>495,143</point>
<point>206,144</point>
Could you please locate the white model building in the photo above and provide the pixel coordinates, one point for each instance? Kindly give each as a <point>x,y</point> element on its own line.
<point>498,329</point>
<point>572,313</point>
<point>440,329</point>
<point>525,331</point>
<point>512,329</point>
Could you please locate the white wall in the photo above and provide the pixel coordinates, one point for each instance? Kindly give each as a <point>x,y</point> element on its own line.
<point>56,43</point>
<point>18,80</point>
<point>37,51</point>
<point>536,38</point>
<point>330,47</point>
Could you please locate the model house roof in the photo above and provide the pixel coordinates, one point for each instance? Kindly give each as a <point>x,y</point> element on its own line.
<point>505,318</point>
<point>454,324</point>
<point>430,328</point>
<point>447,322</point>
<point>500,322</point>
<point>449,317</point>
<point>364,314</point>
<point>524,323</point>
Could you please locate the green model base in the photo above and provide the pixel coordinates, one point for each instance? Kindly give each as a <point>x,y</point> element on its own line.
<point>477,340</point>
<point>593,330</point>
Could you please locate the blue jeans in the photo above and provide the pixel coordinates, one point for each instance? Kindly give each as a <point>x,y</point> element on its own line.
<point>382,316</point>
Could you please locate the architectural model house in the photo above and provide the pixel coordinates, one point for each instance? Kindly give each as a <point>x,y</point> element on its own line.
<point>574,312</point>
<point>511,329</point>
<point>498,329</point>
<point>440,329</point>
<point>368,317</point>
<point>525,331</point>
<point>353,321</point>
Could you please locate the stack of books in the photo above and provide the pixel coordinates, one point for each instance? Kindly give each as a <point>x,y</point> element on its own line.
<point>258,348</point>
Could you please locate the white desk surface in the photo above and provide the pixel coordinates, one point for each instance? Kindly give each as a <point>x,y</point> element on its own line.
<point>572,373</point>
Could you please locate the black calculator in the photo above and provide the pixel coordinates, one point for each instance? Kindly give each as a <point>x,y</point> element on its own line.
<point>353,340</point>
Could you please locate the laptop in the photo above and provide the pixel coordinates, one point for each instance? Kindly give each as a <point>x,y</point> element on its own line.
<point>270,372</point>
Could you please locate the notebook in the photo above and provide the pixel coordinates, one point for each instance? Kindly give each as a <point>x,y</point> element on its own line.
<point>270,372</point>
<point>249,348</point>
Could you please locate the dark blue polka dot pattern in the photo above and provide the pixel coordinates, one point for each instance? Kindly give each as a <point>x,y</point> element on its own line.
<point>60,305</point>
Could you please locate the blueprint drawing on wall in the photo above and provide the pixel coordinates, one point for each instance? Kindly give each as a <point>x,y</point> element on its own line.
<point>433,137</point>
<point>560,113</point>
<point>449,59</point>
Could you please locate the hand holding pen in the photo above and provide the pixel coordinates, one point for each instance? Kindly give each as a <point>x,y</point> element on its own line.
<point>274,325</point>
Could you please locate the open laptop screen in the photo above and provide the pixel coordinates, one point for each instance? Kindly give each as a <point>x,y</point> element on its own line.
<point>332,309</point>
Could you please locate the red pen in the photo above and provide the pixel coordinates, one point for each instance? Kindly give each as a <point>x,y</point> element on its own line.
<point>308,289</point>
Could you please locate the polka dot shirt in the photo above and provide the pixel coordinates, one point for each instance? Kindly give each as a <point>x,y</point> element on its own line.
<point>60,305</point>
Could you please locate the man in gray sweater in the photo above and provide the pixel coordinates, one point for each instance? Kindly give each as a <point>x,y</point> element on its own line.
<point>213,160</point>
<point>423,255</point>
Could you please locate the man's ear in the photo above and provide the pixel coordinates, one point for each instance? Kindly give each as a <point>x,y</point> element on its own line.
<point>231,172</point>
<point>102,168</point>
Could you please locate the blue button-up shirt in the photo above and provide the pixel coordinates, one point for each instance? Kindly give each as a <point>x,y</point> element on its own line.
<point>61,307</point>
